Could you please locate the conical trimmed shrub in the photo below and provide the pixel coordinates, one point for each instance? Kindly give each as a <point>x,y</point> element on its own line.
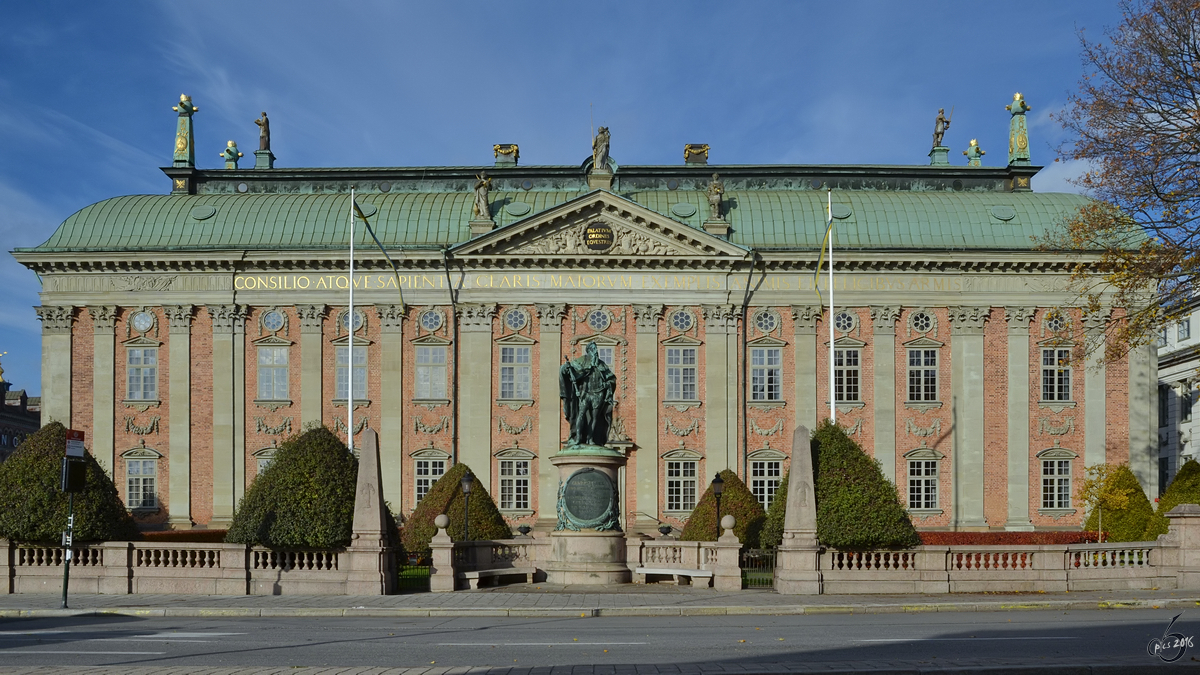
<point>445,496</point>
<point>304,498</point>
<point>1131,522</point>
<point>772,531</point>
<point>34,510</point>
<point>737,501</point>
<point>857,506</point>
<point>1184,489</point>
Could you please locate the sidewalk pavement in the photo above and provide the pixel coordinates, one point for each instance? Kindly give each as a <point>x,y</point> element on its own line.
<point>540,600</point>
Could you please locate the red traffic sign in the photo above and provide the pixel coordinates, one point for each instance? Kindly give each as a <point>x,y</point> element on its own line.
<point>74,443</point>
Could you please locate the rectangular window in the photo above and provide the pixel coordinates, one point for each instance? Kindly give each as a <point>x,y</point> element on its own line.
<point>681,485</point>
<point>431,372</point>
<point>681,373</point>
<point>142,371</point>
<point>606,355</point>
<point>272,373</point>
<point>514,372</point>
<point>140,492</point>
<point>263,463</point>
<point>1184,329</point>
<point>922,484</point>
<point>766,375</point>
<point>428,471</point>
<point>764,481</point>
<point>922,374</point>
<point>1056,484</point>
<point>845,375</point>
<point>514,484</point>
<point>1162,338</point>
<point>1056,374</point>
<point>1164,402</point>
<point>343,373</point>
<point>1185,406</point>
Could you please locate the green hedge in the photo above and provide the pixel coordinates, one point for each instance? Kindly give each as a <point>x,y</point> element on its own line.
<point>34,510</point>
<point>772,531</point>
<point>1131,522</point>
<point>1184,489</point>
<point>737,501</point>
<point>445,496</point>
<point>304,498</point>
<point>857,506</point>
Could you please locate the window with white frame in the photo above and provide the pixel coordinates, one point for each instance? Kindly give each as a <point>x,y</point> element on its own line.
<point>922,374</point>
<point>1162,338</point>
<point>263,462</point>
<point>1164,405</point>
<point>1056,374</point>
<point>431,372</point>
<point>514,484</point>
<point>140,491</point>
<point>922,484</point>
<point>142,374</point>
<point>766,375</point>
<point>681,485</point>
<point>514,372</point>
<point>764,480</point>
<point>1056,484</point>
<point>681,373</point>
<point>606,355</point>
<point>845,375</point>
<point>343,372</point>
<point>272,373</point>
<point>1183,331</point>
<point>428,471</point>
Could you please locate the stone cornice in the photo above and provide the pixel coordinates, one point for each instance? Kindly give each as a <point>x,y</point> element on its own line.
<point>476,317</point>
<point>391,318</point>
<point>968,320</point>
<point>104,318</point>
<point>56,320</point>
<point>179,317</point>
<point>312,318</point>
<point>884,318</point>
<point>647,317</point>
<point>805,318</point>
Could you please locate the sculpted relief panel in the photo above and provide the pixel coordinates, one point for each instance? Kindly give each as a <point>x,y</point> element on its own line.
<point>572,240</point>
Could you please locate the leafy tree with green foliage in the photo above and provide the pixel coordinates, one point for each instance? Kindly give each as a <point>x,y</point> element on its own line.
<point>34,510</point>
<point>1113,490</point>
<point>1184,489</point>
<point>445,496</point>
<point>857,506</point>
<point>304,498</point>
<point>772,531</point>
<point>737,501</point>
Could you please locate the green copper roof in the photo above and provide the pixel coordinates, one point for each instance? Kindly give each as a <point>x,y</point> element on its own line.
<point>759,218</point>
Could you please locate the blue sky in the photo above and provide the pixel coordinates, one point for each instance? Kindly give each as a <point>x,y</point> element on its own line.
<point>86,90</point>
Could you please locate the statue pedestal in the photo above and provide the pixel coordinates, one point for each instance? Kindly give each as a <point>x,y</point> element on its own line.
<point>588,546</point>
<point>939,156</point>
<point>264,159</point>
<point>479,227</point>
<point>600,178</point>
<point>717,227</point>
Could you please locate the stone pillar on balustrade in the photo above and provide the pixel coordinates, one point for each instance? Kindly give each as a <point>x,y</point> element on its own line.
<point>370,557</point>
<point>6,565</point>
<point>117,561</point>
<point>797,566</point>
<point>727,573</point>
<point>1181,546</point>
<point>441,572</point>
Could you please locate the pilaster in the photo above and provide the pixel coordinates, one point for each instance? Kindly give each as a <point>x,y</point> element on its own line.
<point>883,320</point>
<point>391,402</point>
<point>1143,418</point>
<point>56,362</point>
<point>720,409</point>
<point>179,417</point>
<point>967,394</point>
<point>550,318</point>
<point>474,390</point>
<point>239,404</point>
<point>312,321</point>
<point>224,460</point>
<point>804,325</point>
<point>1018,319</point>
<point>104,319</point>
<point>646,510</point>
<point>1095,390</point>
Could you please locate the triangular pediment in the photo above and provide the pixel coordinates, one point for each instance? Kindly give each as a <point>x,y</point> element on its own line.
<point>847,342</point>
<point>685,340</point>
<point>923,342</point>
<point>516,339</point>
<point>142,341</point>
<point>598,225</point>
<point>430,341</point>
<point>272,341</point>
<point>766,341</point>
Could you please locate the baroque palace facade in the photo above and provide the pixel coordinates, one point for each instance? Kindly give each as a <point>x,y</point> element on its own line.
<point>189,333</point>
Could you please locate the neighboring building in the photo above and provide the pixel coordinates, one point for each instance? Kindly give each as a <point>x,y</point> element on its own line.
<point>1178,377</point>
<point>189,333</point>
<point>19,417</point>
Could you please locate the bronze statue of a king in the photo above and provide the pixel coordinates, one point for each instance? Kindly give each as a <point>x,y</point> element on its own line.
<point>586,386</point>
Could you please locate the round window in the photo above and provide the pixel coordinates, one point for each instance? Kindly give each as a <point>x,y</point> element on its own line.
<point>515,319</point>
<point>1056,322</point>
<point>681,320</point>
<point>843,321</point>
<point>272,320</point>
<point>598,319</point>
<point>766,322</point>
<point>142,321</point>
<point>922,322</point>
<point>431,320</point>
<point>358,320</point>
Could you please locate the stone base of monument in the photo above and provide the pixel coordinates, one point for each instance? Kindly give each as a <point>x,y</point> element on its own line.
<point>588,546</point>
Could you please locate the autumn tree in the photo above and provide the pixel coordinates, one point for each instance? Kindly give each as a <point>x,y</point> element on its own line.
<point>1135,123</point>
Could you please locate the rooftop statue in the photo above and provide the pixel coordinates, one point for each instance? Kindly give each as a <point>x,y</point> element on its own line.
<point>264,132</point>
<point>715,190</point>
<point>185,151</point>
<point>974,153</point>
<point>940,125</point>
<point>586,385</point>
<point>600,150</point>
<point>1018,132</point>
<point>481,210</point>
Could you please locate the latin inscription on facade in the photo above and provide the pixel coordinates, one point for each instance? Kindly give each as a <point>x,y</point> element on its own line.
<point>598,236</point>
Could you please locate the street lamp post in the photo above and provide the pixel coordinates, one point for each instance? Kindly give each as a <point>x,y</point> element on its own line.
<point>718,486</point>
<point>468,481</point>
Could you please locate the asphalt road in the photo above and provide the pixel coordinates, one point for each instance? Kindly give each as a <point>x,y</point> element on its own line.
<point>935,638</point>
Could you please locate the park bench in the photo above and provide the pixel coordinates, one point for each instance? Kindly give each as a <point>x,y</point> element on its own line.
<point>475,577</point>
<point>642,574</point>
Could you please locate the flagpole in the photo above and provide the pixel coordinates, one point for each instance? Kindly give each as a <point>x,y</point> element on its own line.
<point>829,221</point>
<point>350,350</point>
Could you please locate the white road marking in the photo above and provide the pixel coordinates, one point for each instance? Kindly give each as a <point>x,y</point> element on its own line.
<point>533,644</point>
<point>171,634</point>
<point>31,632</point>
<point>59,651</point>
<point>966,639</point>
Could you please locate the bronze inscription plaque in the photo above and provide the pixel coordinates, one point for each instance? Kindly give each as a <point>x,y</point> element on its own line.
<point>598,236</point>
<point>587,494</point>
